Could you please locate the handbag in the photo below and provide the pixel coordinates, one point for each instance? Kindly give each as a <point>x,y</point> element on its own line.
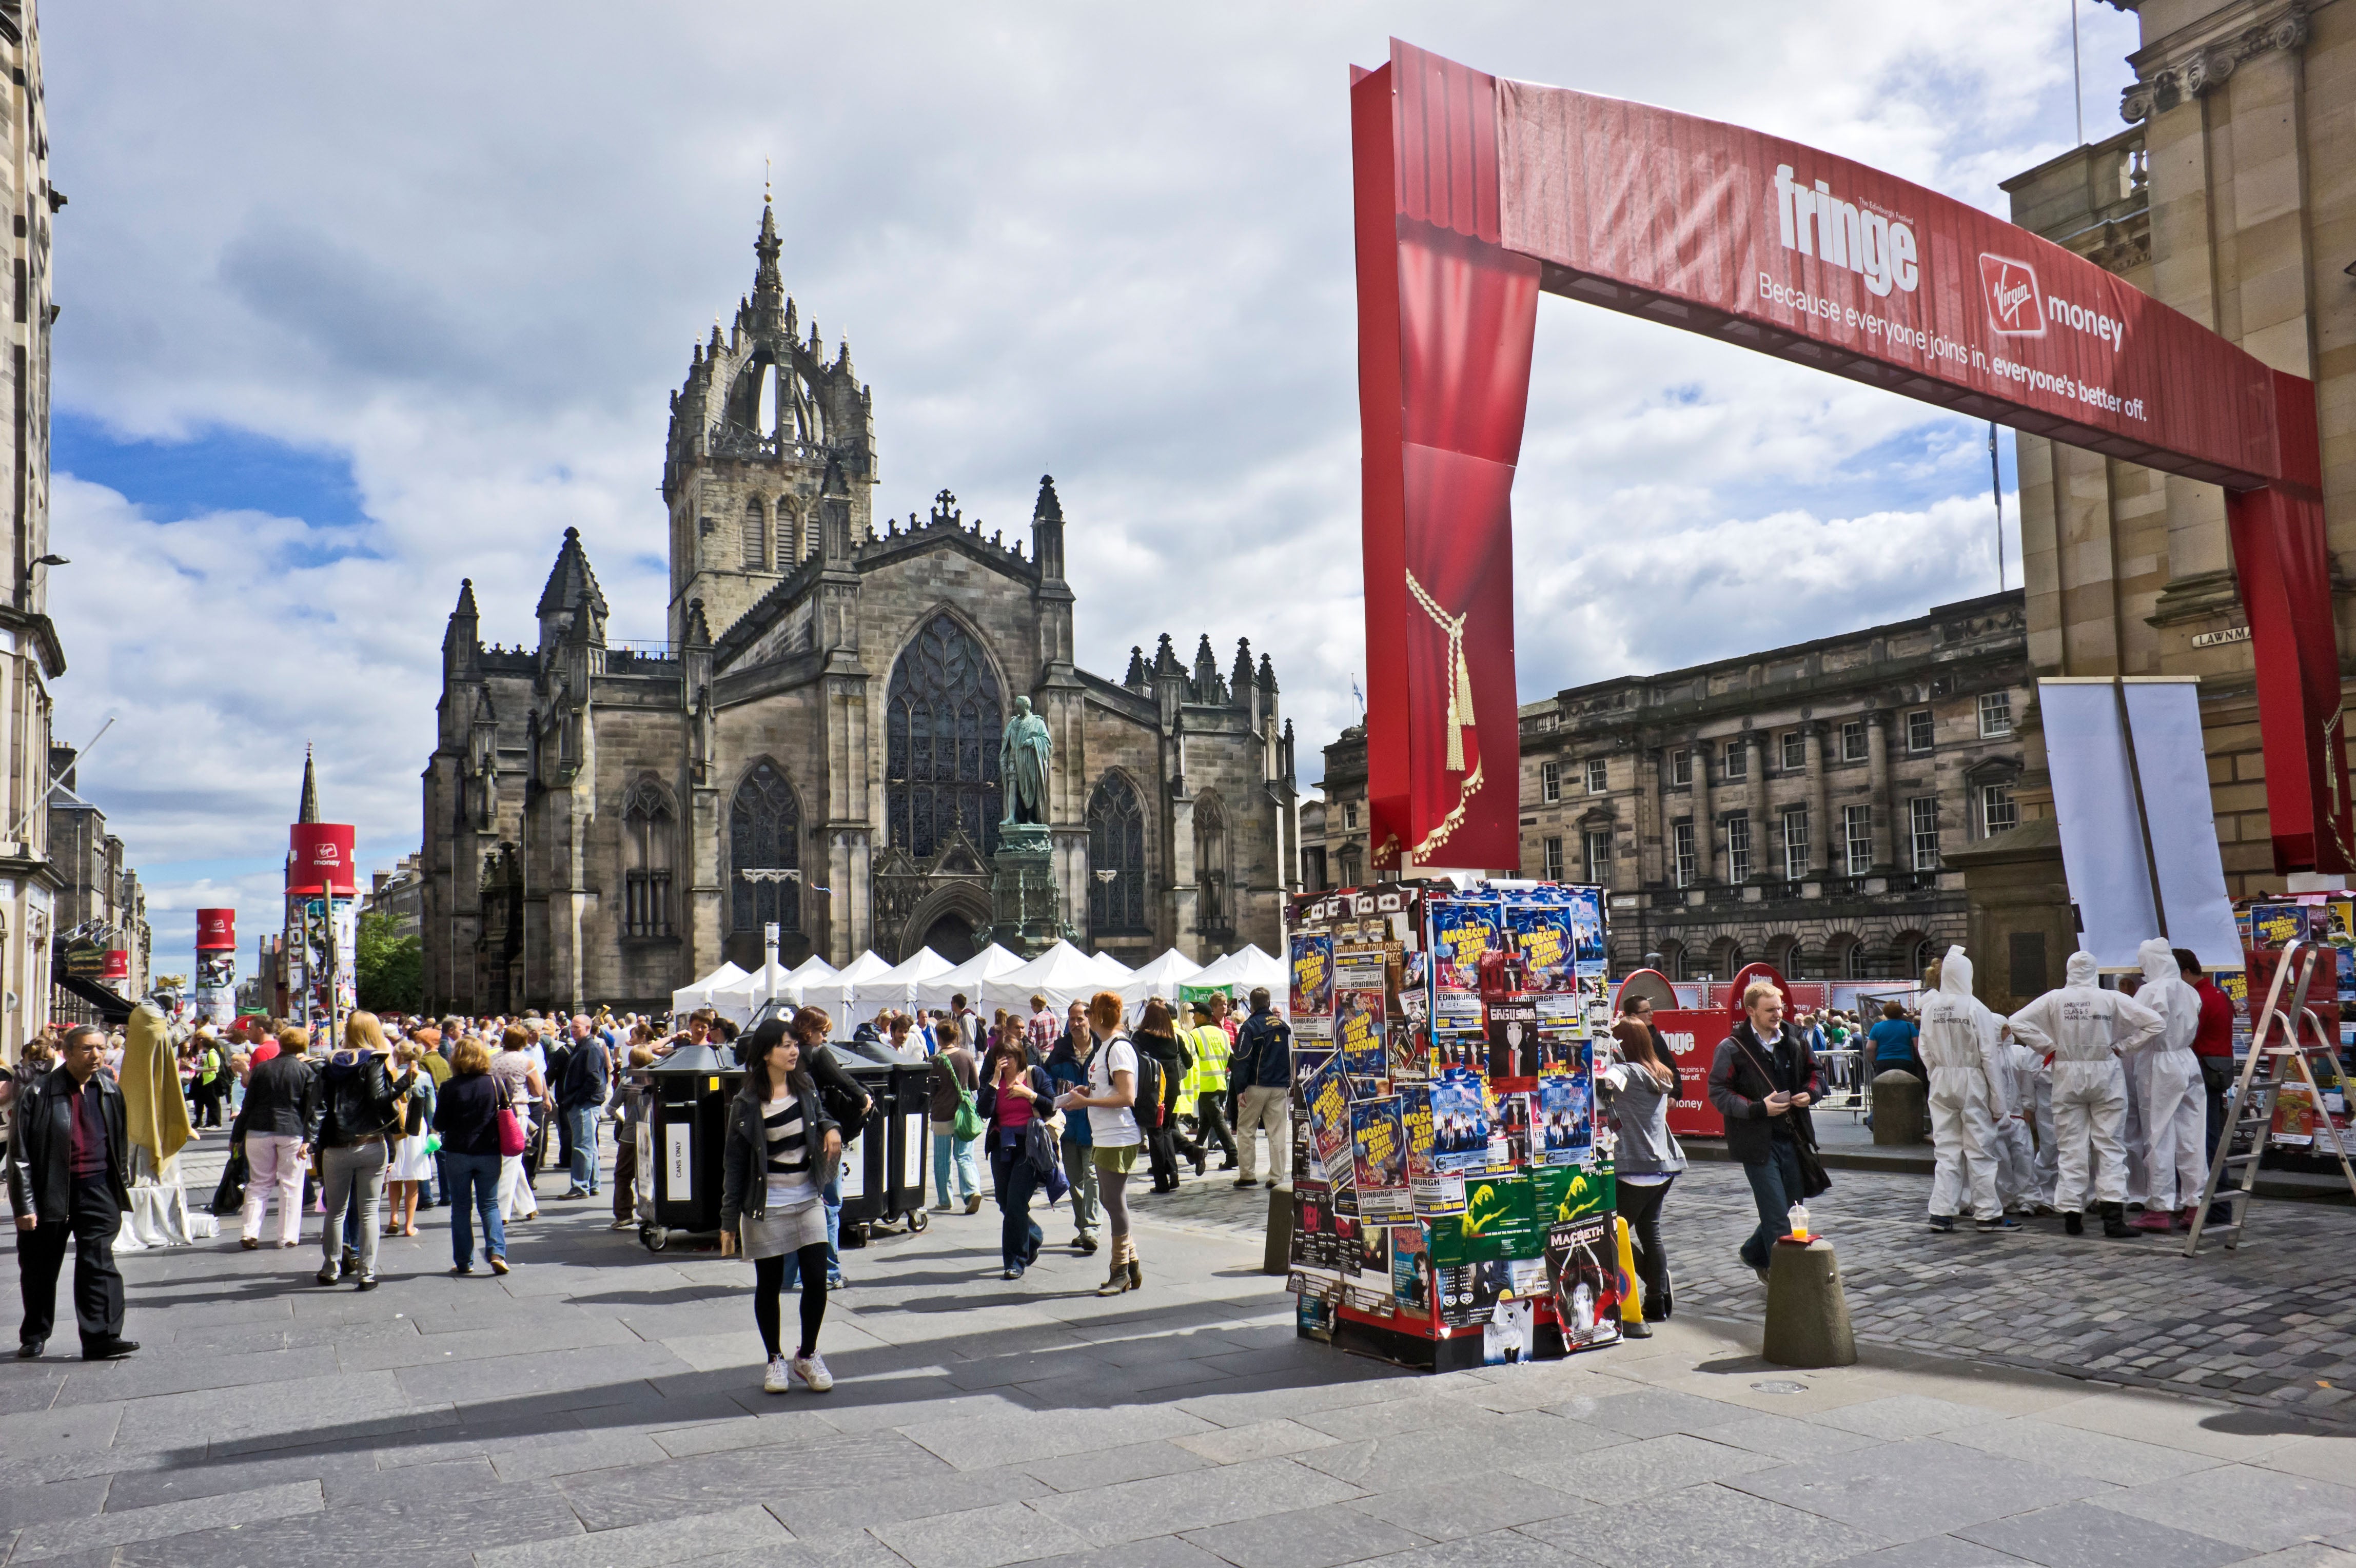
<point>512,1139</point>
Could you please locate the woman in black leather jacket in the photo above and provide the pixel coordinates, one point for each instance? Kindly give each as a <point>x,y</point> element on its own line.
<point>781,1152</point>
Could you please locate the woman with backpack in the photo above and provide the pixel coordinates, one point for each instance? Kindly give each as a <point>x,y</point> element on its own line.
<point>1112,1129</point>
<point>355,1114</point>
<point>1067,1069</point>
<point>782,1153</point>
<point>954,1084</point>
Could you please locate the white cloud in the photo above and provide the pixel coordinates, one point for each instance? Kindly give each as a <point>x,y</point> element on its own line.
<point>471,245</point>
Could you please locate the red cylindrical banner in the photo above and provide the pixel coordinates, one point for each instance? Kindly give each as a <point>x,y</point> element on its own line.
<point>215,929</point>
<point>322,857</point>
<point>118,964</point>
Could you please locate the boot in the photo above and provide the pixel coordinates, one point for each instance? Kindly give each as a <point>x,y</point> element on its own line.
<point>2115,1224</point>
<point>1136,1274</point>
<point>2073,1223</point>
<point>1117,1281</point>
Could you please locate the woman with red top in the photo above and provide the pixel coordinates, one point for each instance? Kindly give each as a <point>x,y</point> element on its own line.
<point>1012,1093</point>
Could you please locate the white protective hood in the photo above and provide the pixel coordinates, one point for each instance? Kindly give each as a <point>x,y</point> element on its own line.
<point>1959,1035</point>
<point>2080,973</point>
<point>2165,993</point>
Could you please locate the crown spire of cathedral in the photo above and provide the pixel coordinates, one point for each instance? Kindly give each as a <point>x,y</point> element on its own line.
<point>768,283</point>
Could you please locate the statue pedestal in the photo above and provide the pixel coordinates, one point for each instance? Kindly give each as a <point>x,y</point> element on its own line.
<point>1026,907</point>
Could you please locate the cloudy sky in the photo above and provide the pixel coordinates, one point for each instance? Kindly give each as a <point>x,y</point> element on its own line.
<point>361,300</point>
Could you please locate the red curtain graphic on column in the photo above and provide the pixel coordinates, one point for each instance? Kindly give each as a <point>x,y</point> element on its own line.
<point>1446,320</point>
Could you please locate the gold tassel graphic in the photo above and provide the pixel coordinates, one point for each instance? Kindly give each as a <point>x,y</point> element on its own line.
<point>1460,686</point>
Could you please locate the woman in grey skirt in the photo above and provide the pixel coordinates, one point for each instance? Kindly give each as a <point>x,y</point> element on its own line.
<point>1637,1092</point>
<point>781,1150</point>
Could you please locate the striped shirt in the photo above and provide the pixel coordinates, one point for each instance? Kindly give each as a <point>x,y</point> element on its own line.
<point>789,1164</point>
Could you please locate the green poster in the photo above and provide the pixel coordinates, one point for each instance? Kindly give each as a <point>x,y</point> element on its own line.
<point>1568,1192</point>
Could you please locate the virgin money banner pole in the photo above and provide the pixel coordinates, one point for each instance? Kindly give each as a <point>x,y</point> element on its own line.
<point>1793,252</point>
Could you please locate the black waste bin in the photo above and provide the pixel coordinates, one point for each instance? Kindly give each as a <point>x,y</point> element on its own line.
<point>687,1130</point>
<point>883,1172</point>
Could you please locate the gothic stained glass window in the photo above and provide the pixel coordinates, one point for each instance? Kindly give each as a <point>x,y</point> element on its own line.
<point>1115,843</point>
<point>764,832</point>
<point>942,720</point>
<point>647,870</point>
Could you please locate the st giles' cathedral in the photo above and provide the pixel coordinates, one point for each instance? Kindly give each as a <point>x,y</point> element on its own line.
<point>817,744</point>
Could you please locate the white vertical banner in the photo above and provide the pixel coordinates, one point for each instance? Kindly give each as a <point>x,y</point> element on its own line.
<point>2129,812</point>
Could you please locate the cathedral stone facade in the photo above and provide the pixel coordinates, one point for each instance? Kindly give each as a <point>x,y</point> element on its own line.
<point>816,745</point>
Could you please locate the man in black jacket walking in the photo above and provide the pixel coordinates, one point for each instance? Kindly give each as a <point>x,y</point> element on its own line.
<point>68,1179</point>
<point>1762,1081</point>
<point>581,1085</point>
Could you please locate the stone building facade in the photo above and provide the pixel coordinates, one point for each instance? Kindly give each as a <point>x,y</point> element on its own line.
<point>1795,806</point>
<point>100,902</point>
<point>2229,197</point>
<point>31,655</point>
<point>825,715</point>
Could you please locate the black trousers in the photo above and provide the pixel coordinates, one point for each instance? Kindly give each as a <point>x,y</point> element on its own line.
<point>1210,1124</point>
<point>1160,1156</point>
<point>1641,1207</point>
<point>90,1225</point>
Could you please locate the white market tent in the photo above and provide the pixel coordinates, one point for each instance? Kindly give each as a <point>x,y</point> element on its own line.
<point>1112,972</point>
<point>1244,969</point>
<point>688,998</point>
<point>737,1001</point>
<point>897,986</point>
<point>1158,977</point>
<point>968,979</point>
<point>1063,974</point>
<point>839,993</point>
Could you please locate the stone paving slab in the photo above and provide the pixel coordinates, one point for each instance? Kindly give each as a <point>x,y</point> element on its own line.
<point>601,1405</point>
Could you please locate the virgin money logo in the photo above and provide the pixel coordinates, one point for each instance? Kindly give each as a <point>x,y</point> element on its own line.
<point>2015,308</point>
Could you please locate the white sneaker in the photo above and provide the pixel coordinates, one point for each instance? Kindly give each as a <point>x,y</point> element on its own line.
<point>811,1369</point>
<point>777,1382</point>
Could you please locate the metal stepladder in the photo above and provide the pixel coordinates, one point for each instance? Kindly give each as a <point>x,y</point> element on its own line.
<point>2273,1064</point>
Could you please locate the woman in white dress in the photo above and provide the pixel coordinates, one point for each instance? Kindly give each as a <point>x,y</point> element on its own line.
<point>412,1162</point>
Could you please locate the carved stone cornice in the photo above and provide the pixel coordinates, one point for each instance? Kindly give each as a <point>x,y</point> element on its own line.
<point>2195,61</point>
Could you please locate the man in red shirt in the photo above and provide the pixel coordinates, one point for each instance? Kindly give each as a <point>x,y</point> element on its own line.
<point>2212,1042</point>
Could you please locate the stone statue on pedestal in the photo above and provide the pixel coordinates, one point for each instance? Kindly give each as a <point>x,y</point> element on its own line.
<point>1024,751</point>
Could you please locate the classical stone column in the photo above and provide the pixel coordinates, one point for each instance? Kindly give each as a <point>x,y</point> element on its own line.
<point>1653,818</point>
<point>1755,802</point>
<point>1876,751</point>
<point>1820,822</point>
<point>1705,824</point>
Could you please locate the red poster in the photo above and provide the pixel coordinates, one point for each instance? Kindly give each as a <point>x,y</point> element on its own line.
<point>215,929</point>
<point>321,857</point>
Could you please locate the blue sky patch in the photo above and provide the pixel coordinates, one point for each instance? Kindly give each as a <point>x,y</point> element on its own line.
<point>219,470</point>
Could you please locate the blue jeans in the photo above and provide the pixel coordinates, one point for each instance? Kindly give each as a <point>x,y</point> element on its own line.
<point>1775,1185</point>
<point>1019,1236</point>
<point>949,1150</point>
<point>582,1124</point>
<point>830,1198</point>
<point>473,1190</point>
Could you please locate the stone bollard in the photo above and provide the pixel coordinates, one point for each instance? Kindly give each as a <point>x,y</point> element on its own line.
<point>1902,1108</point>
<point>1807,1315</point>
<point>1278,1258</point>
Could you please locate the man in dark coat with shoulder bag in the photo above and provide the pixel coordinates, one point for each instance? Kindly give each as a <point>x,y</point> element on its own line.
<point>68,1176</point>
<point>1762,1081</point>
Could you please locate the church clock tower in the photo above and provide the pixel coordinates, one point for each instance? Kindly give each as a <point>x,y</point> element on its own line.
<point>752,431</point>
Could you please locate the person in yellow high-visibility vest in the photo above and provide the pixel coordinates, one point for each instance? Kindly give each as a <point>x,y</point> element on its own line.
<point>1207,1080</point>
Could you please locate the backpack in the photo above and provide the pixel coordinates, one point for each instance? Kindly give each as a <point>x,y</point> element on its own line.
<point>1148,1105</point>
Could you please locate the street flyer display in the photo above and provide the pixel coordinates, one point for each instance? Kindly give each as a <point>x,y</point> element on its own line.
<point>1583,1261</point>
<point>1379,1155</point>
<point>1566,1120</point>
<point>2274,927</point>
<point>1460,1123</point>
<point>1329,1121</point>
<point>1358,1034</point>
<point>1313,985</point>
<point>1446,1127</point>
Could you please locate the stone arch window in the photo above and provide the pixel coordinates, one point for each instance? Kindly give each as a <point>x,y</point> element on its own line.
<point>1214,891</point>
<point>1784,956</point>
<point>648,822</point>
<point>755,535</point>
<point>1847,958</point>
<point>1672,960</point>
<point>1725,959</point>
<point>942,718</point>
<point>1115,843</point>
<point>791,546</point>
<point>765,834</point>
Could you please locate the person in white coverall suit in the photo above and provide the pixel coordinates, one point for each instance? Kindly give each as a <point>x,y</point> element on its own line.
<point>2086,1030</point>
<point>2016,1182</point>
<point>2168,1089</point>
<point>1971,1091</point>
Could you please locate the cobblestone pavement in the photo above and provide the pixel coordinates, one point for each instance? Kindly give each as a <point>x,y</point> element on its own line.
<point>2271,1324</point>
<point>601,1407</point>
